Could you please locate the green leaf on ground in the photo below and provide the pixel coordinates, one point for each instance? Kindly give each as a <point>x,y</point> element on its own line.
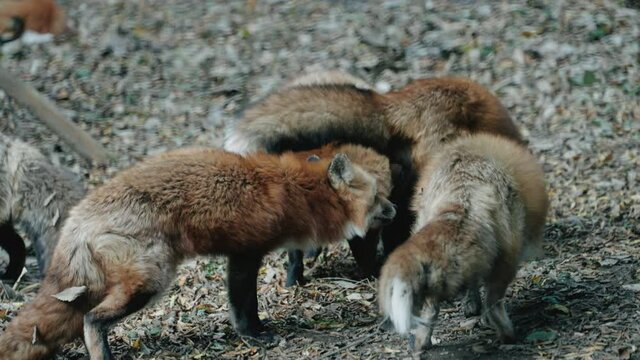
<point>539,336</point>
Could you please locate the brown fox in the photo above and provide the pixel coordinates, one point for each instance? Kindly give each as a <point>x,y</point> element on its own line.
<point>35,198</point>
<point>39,16</point>
<point>481,208</point>
<point>407,125</point>
<point>120,246</point>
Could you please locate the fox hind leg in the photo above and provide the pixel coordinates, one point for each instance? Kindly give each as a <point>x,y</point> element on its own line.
<point>495,309</point>
<point>499,318</point>
<point>472,302</point>
<point>424,331</point>
<point>136,270</point>
<point>118,303</point>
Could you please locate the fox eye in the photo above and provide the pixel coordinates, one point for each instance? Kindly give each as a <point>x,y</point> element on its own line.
<point>313,158</point>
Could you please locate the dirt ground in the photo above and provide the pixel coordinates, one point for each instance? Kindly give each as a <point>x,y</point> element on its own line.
<point>143,77</point>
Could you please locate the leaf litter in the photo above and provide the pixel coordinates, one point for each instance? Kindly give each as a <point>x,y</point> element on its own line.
<point>144,78</point>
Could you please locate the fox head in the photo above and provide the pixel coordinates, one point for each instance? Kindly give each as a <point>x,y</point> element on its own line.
<point>359,189</point>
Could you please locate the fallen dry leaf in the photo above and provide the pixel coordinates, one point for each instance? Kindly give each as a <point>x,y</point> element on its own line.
<point>71,293</point>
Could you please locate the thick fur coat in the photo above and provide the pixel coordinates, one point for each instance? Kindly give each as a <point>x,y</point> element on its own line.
<point>481,206</point>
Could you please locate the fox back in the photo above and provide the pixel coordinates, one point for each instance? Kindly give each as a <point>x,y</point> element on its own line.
<point>434,111</point>
<point>489,169</point>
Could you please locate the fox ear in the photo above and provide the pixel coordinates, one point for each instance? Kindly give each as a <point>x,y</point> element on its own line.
<point>340,170</point>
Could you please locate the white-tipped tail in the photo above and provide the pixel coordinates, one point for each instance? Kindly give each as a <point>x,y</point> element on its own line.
<point>400,305</point>
<point>236,143</point>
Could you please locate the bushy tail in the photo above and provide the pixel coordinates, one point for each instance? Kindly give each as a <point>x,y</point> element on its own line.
<point>42,326</point>
<point>400,305</point>
<point>411,273</point>
<point>397,293</point>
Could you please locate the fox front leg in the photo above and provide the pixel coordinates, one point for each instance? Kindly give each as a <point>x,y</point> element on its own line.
<point>14,246</point>
<point>399,230</point>
<point>242,275</point>
<point>365,252</point>
<point>295,268</point>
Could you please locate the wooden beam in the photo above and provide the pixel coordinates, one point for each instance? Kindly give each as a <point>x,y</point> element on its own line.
<point>48,113</point>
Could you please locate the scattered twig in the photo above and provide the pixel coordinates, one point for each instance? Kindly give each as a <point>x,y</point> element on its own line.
<point>15,285</point>
<point>9,292</point>
<point>260,345</point>
<point>31,287</point>
<point>350,345</point>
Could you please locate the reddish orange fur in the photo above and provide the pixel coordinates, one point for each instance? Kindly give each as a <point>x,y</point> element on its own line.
<point>56,322</point>
<point>433,111</point>
<point>369,160</point>
<point>43,16</point>
<point>409,125</point>
<point>127,237</point>
<point>481,208</point>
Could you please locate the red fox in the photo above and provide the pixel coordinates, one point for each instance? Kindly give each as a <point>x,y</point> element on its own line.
<point>35,197</point>
<point>120,246</point>
<point>40,16</point>
<point>407,125</point>
<point>481,208</point>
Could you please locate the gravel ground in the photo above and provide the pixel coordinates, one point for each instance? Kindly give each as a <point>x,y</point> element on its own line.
<point>144,77</point>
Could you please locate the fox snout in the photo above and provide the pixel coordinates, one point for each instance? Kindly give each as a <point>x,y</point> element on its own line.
<point>387,212</point>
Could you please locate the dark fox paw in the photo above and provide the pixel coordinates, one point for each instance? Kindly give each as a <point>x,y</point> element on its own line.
<point>508,339</point>
<point>386,325</point>
<point>264,338</point>
<point>471,308</point>
<point>258,334</point>
<point>291,281</point>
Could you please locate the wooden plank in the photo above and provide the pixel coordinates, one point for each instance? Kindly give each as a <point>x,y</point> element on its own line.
<point>48,113</point>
